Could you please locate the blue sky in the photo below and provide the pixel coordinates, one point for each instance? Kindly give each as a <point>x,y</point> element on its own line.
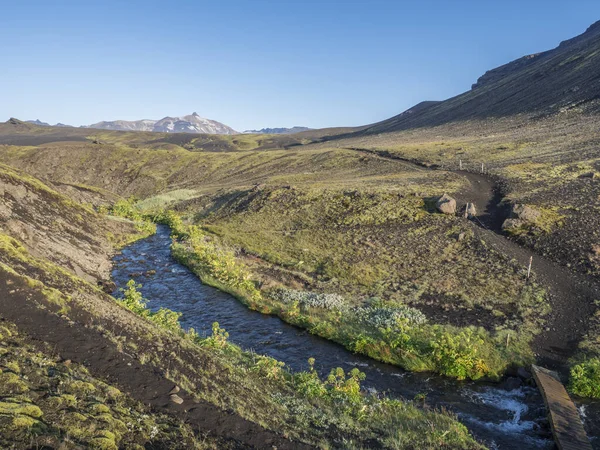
<point>254,64</point>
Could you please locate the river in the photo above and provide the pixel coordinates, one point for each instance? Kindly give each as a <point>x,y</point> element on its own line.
<point>507,415</point>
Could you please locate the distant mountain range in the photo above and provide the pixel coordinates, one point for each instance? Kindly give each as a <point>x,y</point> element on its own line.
<point>278,130</point>
<point>186,124</point>
<point>44,124</point>
<point>192,123</point>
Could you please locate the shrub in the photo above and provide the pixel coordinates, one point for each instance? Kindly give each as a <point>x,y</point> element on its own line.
<point>337,385</point>
<point>585,378</point>
<point>133,299</point>
<point>126,208</point>
<point>219,337</point>
<point>269,367</point>
<point>165,318</point>
<point>457,355</point>
<point>311,299</point>
<point>388,317</point>
<point>308,383</point>
<point>345,387</point>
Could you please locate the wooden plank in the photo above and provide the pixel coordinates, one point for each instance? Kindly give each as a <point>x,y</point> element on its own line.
<point>566,424</point>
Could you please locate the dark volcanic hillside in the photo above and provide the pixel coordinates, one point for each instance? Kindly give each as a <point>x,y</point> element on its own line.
<point>562,79</point>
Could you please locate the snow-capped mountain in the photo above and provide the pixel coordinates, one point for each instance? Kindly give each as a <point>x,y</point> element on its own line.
<point>192,123</point>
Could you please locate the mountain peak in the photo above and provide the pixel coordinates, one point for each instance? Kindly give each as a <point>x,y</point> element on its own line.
<point>185,124</point>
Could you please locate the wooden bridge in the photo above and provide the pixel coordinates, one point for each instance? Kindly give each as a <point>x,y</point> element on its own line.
<point>566,424</point>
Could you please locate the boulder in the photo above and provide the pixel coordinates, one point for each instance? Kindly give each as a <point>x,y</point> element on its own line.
<point>524,213</point>
<point>470,210</point>
<point>512,383</point>
<point>446,204</point>
<point>523,373</point>
<point>510,224</point>
<point>176,399</point>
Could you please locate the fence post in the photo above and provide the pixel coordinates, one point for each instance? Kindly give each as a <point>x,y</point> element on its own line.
<point>529,268</point>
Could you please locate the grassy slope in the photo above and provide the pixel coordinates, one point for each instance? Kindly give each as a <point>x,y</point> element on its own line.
<point>541,160</point>
<point>547,163</point>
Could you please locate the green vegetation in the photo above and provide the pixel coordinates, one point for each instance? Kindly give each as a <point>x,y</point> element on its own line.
<point>126,209</point>
<point>345,243</point>
<point>303,406</point>
<point>585,378</point>
<point>585,365</point>
<point>163,201</point>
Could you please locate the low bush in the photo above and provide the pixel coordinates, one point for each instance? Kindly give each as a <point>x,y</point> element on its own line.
<point>388,317</point>
<point>333,404</point>
<point>311,299</point>
<point>165,318</point>
<point>126,208</point>
<point>585,379</point>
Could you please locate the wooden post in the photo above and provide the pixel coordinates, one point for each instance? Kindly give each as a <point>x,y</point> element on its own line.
<point>529,268</point>
<point>507,339</point>
<point>481,167</point>
<point>467,210</point>
<point>460,163</point>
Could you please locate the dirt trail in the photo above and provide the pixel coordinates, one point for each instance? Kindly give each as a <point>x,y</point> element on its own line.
<point>572,295</point>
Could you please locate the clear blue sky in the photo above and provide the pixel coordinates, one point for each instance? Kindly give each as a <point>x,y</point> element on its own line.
<point>254,64</point>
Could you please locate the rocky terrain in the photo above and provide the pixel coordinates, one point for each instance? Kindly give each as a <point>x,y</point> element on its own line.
<point>45,124</point>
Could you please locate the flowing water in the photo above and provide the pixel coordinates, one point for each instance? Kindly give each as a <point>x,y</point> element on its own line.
<point>508,415</point>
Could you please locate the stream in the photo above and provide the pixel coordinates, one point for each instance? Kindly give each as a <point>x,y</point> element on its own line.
<point>506,415</point>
